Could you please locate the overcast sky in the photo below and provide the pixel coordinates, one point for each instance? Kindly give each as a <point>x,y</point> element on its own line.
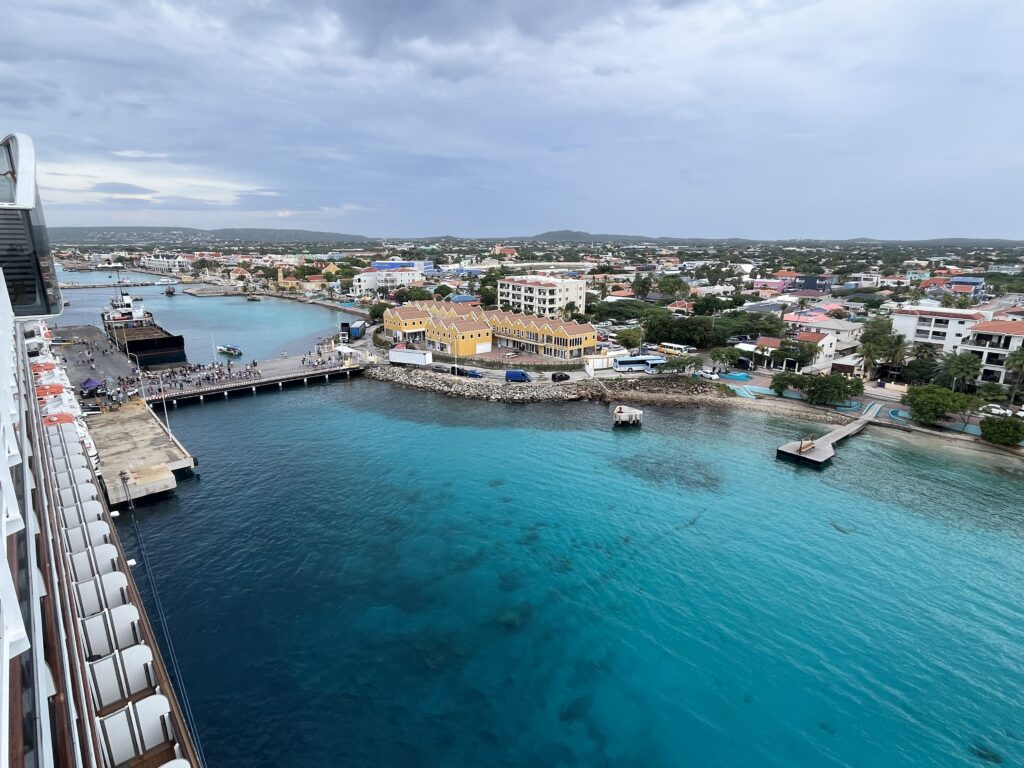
<point>756,118</point>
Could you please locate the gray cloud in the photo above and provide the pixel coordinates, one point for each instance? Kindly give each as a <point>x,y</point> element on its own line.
<point>823,118</point>
<point>119,188</point>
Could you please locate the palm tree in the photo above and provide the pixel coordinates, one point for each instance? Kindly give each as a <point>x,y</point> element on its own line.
<point>959,367</point>
<point>870,353</point>
<point>1014,363</point>
<point>569,310</point>
<point>896,350</point>
<point>924,351</point>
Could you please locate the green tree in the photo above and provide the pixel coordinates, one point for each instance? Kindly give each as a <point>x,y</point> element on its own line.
<point>684,363</point>
<point>831,388</point>
<point>377,311</point>
<point>568,310</point>
<point>992,392</point>
<point>443,290</point>
<point>488,296</point>
<point>787,380</point>
<point>919,371</point>
<point>959,368</point>
<point>629,337</point>
<point>642,285</point>
<point>708,305</point>
<point>1014,365</point>
<point>671,285</point>
<point>930,403</point>
<point>726,355</point>
<point>1003,430</point>
<point>877,330</point>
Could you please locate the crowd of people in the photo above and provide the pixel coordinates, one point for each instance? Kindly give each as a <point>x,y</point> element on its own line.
<point>170,380</point>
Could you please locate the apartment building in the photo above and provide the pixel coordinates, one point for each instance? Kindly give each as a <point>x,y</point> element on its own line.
<point>942,328</point>
<point>372,280</point>
<point>992,341</point>
<point>541,296</point>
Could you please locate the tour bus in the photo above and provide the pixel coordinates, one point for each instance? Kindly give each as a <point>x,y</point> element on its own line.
<point>667,348</point>
<point>645,363</point>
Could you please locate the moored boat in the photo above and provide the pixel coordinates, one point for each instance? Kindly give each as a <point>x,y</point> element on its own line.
<point>229,349</point>
<point>132,328</point>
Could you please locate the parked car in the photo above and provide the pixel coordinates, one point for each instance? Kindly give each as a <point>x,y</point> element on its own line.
<point>559,376</point>
<point>745,364</point>
<point>995,410</point>
<point>473,373</point>
<point>457,370</point>
<point>439,368</point>
<point>706,374</point>
<point>518,376</point>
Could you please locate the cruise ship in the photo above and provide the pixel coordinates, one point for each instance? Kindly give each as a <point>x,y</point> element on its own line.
<point>83,682</point>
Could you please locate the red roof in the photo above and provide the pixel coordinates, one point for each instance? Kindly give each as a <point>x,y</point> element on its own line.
<point>810,336</point>
<point>785,273</point>
<point>768,341</point>
<point>625,293</point>
<point>963,289</point>
<point>1009,327</point>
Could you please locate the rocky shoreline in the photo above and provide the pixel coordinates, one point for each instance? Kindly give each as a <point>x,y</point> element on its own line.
<point>672,391</point>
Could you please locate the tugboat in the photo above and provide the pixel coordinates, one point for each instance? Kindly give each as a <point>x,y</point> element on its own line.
<point>132,329</point>
<point>169,290</point>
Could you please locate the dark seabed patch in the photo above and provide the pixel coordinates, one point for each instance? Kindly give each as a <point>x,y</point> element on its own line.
<point>694,475</point>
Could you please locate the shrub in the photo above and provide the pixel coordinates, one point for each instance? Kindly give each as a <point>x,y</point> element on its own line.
<point>1003,430</point>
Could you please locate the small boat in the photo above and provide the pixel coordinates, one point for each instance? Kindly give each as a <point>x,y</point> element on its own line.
<point>624,416</point>
<point>169,290</point>
<point>252,297</point>
<point>67,303</point>
<point>229,349</point>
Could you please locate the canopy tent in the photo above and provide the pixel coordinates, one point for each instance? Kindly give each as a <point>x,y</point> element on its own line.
<point>91,383</point>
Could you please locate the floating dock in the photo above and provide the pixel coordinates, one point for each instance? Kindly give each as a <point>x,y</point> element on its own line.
<point>819,451</point>
<point>624,416</point>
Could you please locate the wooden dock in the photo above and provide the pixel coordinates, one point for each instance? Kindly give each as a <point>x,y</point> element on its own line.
<point>819,451</point>
<point>224,388</point>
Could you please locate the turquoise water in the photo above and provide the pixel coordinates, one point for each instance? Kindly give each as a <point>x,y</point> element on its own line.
<point>262,329</point>
<point>370,576</point>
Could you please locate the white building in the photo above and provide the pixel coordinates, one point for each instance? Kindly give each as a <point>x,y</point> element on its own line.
<point>826,344</point>
<point>540,295</point>
<point>372,280</point>
<point>942,328</point>
<point>166,262</point>
<point>992,341</point>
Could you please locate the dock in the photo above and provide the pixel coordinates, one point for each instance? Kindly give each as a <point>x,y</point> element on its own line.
<point>139,456</point>
<point>132,284</point>
<point>275,377</point>
<point>819,451</point>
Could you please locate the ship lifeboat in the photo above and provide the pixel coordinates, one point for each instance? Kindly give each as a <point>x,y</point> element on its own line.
<point>58,418</point>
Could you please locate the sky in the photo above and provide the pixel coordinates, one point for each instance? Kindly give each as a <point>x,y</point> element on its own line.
<point>491,118</point>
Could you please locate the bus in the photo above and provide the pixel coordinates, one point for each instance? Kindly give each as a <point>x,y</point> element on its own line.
<point>644,363</point>
<point>667,348</point>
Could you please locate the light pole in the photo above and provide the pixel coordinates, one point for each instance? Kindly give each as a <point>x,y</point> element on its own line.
<point>138,367</point>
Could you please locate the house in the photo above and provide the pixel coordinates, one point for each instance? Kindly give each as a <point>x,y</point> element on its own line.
<point>166,262</point>
<point>239,275</point>
<point>711,290</point>
<point>681,307</point>
<point>992,341</point>
<point>822,283</point>
<point>968,286</point>
<point>826,344</point>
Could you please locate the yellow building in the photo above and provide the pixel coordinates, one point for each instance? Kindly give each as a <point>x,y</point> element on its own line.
<point>471,330</point>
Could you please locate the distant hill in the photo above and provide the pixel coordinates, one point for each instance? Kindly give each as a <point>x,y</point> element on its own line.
<point>189,235</point>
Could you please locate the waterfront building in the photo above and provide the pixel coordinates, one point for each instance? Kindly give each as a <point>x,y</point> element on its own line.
<point>943,328</point>
<point>992,341</point>
<point>82,680</point>
<point>372,280</point>
<point>445,325</point>
<point>540,295</point>
<point>172,263</point>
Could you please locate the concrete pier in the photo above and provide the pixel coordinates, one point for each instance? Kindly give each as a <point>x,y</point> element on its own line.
<point>821,450</point>
<point>139,456</point>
